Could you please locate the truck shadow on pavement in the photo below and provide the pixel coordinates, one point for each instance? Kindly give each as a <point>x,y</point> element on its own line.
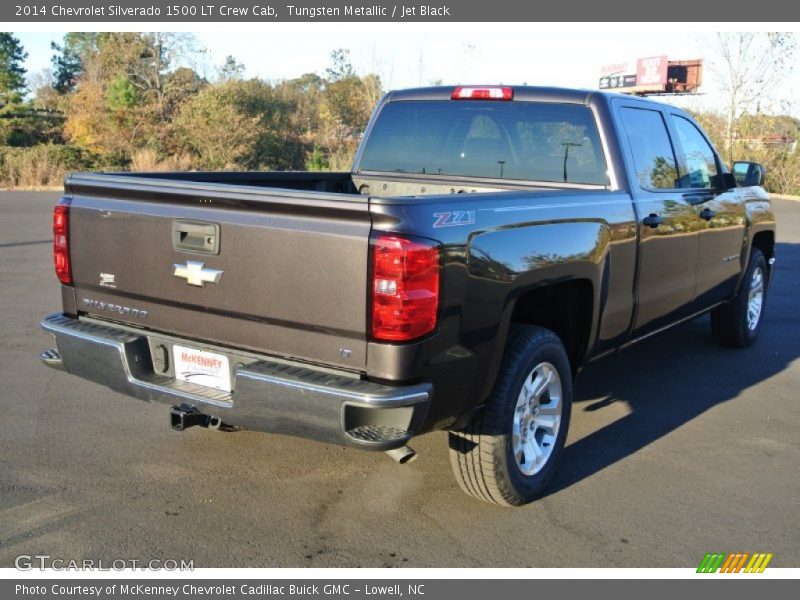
<point>670,379</point>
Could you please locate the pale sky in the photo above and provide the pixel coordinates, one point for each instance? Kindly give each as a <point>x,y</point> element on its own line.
<point>411,57</point>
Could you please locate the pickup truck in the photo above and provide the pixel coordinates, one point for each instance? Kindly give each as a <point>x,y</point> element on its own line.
<point>488,242</point>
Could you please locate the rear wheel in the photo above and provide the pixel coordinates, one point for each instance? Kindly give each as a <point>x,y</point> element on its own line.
<point>508,454</point>
<point>738,322</point>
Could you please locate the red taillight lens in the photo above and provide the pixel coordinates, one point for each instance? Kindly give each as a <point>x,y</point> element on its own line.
<point>405,288</point>
<point>61,242</point>
<point>482,93</point>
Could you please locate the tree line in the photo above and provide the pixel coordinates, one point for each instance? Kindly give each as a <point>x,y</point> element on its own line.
<point>118,101</point>
<point>127,101</point>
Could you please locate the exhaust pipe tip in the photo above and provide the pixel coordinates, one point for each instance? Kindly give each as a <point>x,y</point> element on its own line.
<point>402,455</point>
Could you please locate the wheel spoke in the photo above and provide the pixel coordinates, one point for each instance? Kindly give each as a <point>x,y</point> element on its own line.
<point>542,381</point>
<point>547,422</point>
<point>528,387</point>
<point>548,441</point>
<point>553,407</point>
<point>755,299</point>
<point>532,451</point>
<point>757,280</point>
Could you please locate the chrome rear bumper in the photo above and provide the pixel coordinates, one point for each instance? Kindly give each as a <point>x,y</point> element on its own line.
<point>280,397</point>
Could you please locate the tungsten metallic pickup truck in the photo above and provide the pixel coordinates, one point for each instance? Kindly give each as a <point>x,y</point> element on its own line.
<point>488,242</point>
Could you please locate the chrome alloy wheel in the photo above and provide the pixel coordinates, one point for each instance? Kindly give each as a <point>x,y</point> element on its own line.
<point>537,417</point>
<point>755,299</point>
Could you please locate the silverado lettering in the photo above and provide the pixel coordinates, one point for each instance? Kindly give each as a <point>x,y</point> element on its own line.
<point>115,308</point>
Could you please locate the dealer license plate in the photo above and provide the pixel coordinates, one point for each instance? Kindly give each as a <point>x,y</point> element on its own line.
<point>201,367</point>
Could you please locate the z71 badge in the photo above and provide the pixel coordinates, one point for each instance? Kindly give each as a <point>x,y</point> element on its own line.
<point>454,218</point>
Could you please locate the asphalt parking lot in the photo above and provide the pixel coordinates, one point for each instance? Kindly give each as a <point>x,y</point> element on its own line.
<point>678,447</point>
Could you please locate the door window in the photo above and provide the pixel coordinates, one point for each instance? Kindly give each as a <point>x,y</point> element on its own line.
<point>653,155</point>
<point>701,165</point>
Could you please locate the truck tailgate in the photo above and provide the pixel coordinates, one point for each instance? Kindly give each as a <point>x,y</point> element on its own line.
<point>293,265</point>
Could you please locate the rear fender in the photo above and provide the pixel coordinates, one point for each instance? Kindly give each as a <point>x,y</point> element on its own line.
<point>531,257</point>
<point>760,226</point>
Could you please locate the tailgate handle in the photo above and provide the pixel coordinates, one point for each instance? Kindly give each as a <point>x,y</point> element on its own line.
<point>195,236</point>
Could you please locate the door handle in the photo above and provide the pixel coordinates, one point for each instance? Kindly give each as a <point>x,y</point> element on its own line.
<point>707,214</point>
<point>195,236</point>
<point>698,197</point>
<point>653,220</point>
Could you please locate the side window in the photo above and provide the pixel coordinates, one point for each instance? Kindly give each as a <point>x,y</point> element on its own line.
<point>653,156</point>
<point>701,166</point>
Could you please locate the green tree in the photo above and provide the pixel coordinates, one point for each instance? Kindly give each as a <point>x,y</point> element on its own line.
<point>307,83</point>
<point>69,57</point>
<point>120,94</point>
<point>129,92</point>
<point>12,73</point>
<point>146,59</point>
<point>217,127</point>
<point>317,161</point>
<point>350,102</point>
<point>15,128</point>
<point>347,103</point>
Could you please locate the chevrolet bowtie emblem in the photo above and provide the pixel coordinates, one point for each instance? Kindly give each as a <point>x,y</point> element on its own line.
<point>194,273</point>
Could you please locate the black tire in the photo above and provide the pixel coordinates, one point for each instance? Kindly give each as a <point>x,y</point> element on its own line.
<point>730,323</point>
<point>482,454</point>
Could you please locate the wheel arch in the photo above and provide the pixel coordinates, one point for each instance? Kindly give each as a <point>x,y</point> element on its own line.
<point>567,309</point>
<point>764,241</point>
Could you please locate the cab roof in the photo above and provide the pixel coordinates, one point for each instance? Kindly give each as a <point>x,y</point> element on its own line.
<point>522,93</point>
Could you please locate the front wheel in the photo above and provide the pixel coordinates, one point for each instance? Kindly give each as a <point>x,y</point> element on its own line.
<point>508,454</point>
<point>738,322</point>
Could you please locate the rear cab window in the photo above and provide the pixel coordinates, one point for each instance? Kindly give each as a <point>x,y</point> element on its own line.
<point>527,141</point>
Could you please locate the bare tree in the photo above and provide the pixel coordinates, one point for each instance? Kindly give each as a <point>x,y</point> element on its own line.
<point>230,70</point>
<point>44,94</point>
<point>751,64</point>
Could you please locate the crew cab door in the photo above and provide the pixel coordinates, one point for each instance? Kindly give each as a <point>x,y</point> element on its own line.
<point>722,210</point>
<point>669,225</point>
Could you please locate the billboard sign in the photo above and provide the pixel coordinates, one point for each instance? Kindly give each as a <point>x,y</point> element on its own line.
<point>651,71</point>
<point>614,82</point>
<point>653,75</point>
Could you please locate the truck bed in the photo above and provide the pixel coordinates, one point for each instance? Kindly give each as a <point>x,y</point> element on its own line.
<point>126,257</point>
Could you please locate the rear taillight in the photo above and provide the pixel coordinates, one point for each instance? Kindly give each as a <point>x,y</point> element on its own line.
<point>405,288</point>
<point>61,242</point>
<point>483,93</point>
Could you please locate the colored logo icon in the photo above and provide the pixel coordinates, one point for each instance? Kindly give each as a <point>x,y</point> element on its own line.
<point>736,562</point>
